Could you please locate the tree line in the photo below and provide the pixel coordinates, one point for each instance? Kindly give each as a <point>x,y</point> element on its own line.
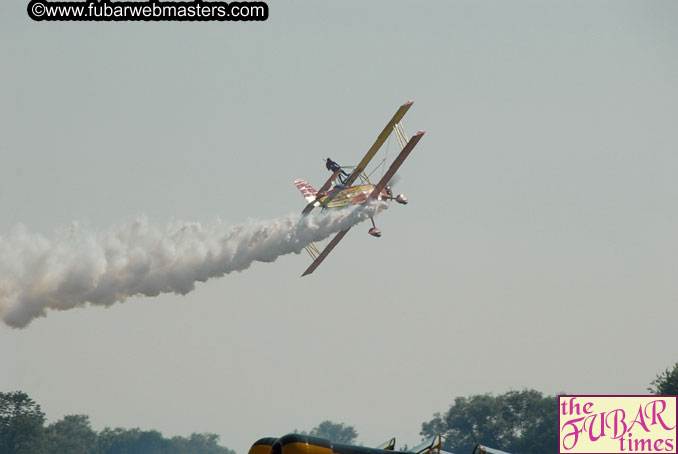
<point>524,422</point>
<point>23,431</point>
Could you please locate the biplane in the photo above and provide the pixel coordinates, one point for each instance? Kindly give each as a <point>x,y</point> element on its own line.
<point>346,192</point>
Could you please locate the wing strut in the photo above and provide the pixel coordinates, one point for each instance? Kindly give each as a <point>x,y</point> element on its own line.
<point>400,134</point>
<point>396,164</point>
<point>316,263</point>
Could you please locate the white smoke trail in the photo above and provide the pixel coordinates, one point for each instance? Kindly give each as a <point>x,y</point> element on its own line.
<point>81,267</point>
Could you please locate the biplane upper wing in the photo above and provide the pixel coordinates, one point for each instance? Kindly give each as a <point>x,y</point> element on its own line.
<point>316,263</point>
<point>396,164</point>
<point>321,192</point>
<point>400,113</point>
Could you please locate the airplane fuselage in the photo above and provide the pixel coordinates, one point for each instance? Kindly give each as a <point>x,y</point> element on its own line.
<point>340,196</point>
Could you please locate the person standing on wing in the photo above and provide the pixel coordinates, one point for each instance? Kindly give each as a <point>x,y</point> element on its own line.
<point>333,167</point>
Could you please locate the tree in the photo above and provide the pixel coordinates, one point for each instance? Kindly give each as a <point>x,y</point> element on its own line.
<point>518,421</point>
<point>665,383</point>
<point>136,441</point>
<point>335,432</point>
<point>72,435</point>
<point>21,424</point>
<point>199,443</point>
<point>133,441</point>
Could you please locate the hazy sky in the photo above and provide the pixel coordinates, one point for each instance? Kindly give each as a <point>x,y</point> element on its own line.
<point>539,248</point>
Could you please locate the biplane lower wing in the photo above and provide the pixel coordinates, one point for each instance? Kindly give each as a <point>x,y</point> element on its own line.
<point>396,164</point>
<point>321,192</point>
<point>316,263</point>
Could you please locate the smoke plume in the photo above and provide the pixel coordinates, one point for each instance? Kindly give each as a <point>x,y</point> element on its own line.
<point>81,267</point>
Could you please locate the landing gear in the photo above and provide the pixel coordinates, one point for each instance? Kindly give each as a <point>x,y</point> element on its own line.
<point>386,195</point>
<point>374,231</point>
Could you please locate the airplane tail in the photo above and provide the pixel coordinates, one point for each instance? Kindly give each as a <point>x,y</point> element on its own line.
<point>487,450</point>
<point>306,190</point>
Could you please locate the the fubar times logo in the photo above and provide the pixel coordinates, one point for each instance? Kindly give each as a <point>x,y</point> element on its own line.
<point>591,424</point>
